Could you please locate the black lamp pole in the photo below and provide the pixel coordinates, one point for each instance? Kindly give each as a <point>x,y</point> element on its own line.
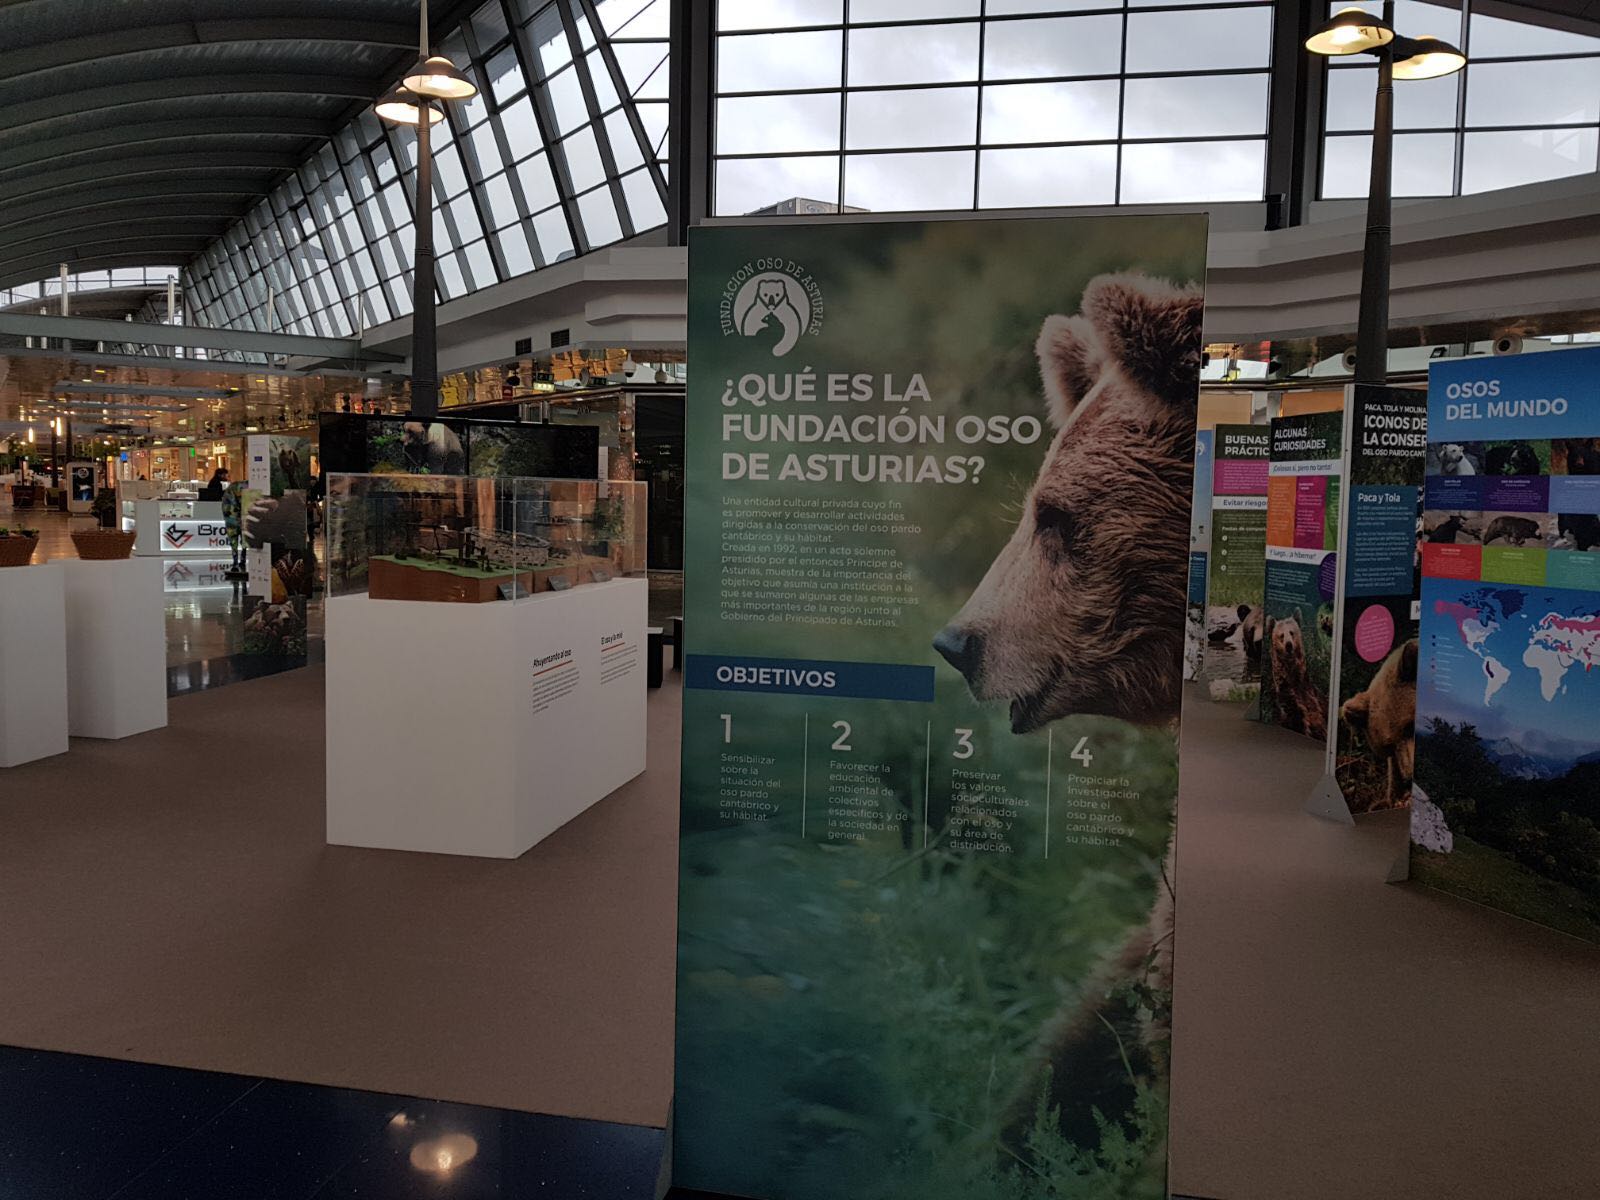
<point>1372,321</point>
<point>424,326</point>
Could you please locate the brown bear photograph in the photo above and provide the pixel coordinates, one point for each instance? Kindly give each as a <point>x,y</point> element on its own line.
<point>1083,611</point>
<point>988,1015</point>
<point>1518,529</point>
<point>1384,717</point>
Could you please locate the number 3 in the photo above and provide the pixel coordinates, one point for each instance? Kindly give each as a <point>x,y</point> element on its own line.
<point>964,747</point>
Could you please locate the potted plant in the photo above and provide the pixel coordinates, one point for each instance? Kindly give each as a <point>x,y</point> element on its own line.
<point>104,508</point>
<point>17,546</point>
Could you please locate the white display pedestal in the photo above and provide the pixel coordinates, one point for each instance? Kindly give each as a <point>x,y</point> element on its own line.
<point>116,647</point>
<point>481,728</point>
<point>33,663</point>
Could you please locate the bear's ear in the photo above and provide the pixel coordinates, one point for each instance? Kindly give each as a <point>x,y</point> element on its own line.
<point>1408,662</point>
<point>1150,328</point>
<point>1069,363</point>
<point>1243,610</point>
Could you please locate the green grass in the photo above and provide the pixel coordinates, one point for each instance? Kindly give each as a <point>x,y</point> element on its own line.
<point>1475,872</point>
<point>446,568</point>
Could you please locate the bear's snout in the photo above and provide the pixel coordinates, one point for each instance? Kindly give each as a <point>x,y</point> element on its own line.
<point>962,649</point>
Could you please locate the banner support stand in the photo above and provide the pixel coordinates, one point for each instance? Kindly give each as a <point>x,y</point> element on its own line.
<point>1327,801</point>
<point>1400,869</point>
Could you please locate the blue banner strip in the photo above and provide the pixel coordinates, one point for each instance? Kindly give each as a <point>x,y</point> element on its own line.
<point>803,677</point>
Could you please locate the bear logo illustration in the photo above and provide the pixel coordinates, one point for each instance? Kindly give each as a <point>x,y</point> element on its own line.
<point>764,303</point>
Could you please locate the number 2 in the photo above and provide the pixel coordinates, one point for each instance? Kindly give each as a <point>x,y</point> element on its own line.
<point>842,742</point>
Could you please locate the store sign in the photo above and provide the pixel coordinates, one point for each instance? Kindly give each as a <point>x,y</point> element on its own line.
<point>193,537</point>
<point>191,575</point>
<point>937,518</point>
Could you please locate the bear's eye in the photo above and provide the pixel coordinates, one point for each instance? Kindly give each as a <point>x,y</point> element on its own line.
<point>1055,524</point>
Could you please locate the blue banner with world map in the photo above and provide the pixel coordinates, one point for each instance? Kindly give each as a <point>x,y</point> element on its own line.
<point>1506,806</point>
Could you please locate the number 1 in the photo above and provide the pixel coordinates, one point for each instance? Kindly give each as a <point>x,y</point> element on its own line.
<point>727,728</point>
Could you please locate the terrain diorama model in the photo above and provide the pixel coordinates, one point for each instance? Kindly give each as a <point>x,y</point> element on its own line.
<point>474,542</point>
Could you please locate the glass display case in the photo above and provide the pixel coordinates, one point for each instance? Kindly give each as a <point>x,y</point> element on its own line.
<point>460,539</point>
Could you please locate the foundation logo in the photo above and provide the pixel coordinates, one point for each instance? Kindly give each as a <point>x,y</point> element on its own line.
<point>774,300</point>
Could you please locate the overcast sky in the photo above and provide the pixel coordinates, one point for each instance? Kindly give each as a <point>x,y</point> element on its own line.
<point>1003,113</point>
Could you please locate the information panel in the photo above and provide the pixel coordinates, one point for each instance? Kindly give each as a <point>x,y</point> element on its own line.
<point>1194,638</point>
<point>1371,747</point>
<point>1231,669</point>
<point>938,529</point>
<point>1506,808</point>
<point>1301,570</point>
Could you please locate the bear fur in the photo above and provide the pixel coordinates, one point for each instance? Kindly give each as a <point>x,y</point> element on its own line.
<point>1252,623</point>
<point>1447,531</point>
<point>1514,458</point>
<point>1453,460</point>
<point>1385,715</point>
<point>1581,529</point>
<point>1515,530</point>
<point>433,448</point>
<point>1575,456</point>
<point>1300,706</point>
<point>1083,611</point>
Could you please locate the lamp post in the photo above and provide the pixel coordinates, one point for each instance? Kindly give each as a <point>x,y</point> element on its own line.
<point>1353,31</point>
<point>412,102</point>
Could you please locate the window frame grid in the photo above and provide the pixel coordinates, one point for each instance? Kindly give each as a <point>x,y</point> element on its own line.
<point>980,83</point>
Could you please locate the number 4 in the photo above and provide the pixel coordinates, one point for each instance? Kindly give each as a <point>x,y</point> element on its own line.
<point>1080,752</point>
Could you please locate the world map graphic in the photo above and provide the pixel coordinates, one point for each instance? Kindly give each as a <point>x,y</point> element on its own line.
<point>1501,625</point>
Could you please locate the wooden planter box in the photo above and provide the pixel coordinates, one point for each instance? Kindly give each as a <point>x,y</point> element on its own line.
<point>102,545</point>
<point>17,551</point>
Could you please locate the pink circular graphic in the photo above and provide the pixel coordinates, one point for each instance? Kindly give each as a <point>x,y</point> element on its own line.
<point>1374,632</point>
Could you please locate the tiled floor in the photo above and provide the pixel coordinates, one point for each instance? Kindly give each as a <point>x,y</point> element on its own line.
<point>79,1128</point>
<point>205,611</point>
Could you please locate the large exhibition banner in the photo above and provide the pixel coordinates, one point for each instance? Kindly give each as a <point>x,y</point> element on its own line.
<point>1302,541</point>
<point>1231,668</point>
<point>1370,747</point>
<point>1506,807</point>
<point>938,524</point>
<point>1194,636</point>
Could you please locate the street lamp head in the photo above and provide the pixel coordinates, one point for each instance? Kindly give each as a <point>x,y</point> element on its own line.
<point>403,107</point>
<point>1350,31</point>
<point>1425,58</point>
<point>440,79</point>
